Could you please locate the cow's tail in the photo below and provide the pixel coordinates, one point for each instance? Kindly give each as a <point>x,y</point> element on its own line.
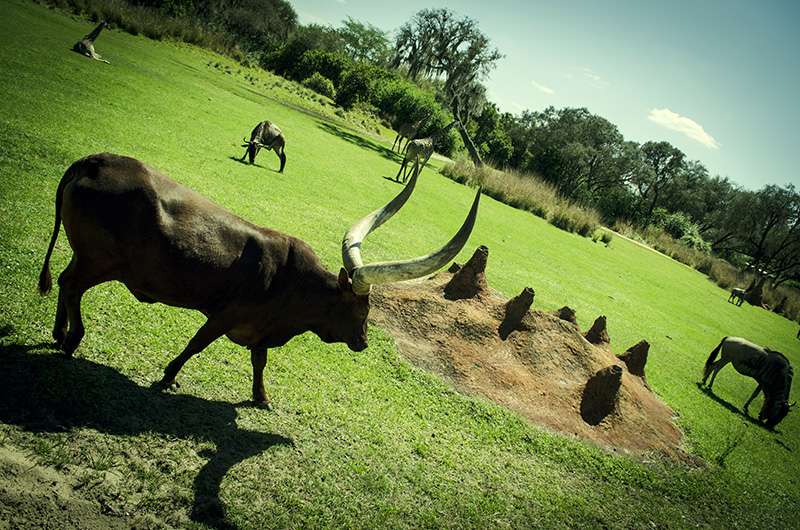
<point>45,281</point>
<point>712,356</point>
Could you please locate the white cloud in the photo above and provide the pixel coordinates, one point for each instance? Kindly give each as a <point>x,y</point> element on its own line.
<point>594,79</point>
<point>682,124</point>
<point>544,89</point>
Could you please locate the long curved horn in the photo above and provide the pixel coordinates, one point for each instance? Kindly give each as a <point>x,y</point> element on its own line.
<point>365,275</point>
<point>351,243</point>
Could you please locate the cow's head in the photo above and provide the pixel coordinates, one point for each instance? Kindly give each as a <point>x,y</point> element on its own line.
<point>773,411</point>
<point>346,316</point>
<point>356,278</point>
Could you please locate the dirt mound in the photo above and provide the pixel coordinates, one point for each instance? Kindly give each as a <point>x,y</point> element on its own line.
<point>537,363</point>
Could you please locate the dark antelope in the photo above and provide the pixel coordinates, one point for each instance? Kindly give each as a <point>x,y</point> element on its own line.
<point>259,287</point>
<point>770,369</point>
<point>265,135</point>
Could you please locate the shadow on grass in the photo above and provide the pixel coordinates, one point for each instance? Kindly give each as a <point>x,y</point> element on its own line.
<point>51,393</point>
<point>731,407</point>
<point>246,163</point>
<point>359,141</point>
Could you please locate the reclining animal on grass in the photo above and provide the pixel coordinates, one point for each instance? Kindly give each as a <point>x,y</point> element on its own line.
<point>265,135</point>
<point>771,369</point>
<point>737,296</point>
<point>166,243</point>
<point>85,46</point>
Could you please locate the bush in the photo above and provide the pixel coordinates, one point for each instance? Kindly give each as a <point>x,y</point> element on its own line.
<point>330,65</point>
<point>320,84</point>
<point>356,85</point>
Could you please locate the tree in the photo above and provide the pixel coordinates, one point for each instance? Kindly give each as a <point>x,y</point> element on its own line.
<point>665,162</point>
<point>490,138</point>
<point>364,42</point>
<point>304,39</point>
<point>768,231</point>
<point>436,43</point>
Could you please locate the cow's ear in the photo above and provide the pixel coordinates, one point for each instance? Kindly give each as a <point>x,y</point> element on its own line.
<point>344,281</point>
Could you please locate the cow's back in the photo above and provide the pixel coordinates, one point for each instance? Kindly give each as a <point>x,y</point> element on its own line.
<point>163,240</point>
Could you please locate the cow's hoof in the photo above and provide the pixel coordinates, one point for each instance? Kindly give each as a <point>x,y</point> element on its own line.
<point>166,385</point>
<point>70,344</point>
<point>58,336</point>
<point>264,404</point>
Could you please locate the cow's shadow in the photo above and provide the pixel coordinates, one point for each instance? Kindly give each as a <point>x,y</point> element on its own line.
<point>47,392</point>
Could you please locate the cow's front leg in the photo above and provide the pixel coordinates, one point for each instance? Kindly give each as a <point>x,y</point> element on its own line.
<point>258,358</point>
<point>208,333</point>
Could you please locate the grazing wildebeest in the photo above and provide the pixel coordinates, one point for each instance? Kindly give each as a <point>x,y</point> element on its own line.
<point>85,46</point>
<point>419,151</point>
<point>737,296</point>
<point>265,135</point>
<point>771,369</point>
<point>169,244</point>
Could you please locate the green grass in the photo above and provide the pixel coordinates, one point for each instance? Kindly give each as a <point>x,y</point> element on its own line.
<point>356,439</point>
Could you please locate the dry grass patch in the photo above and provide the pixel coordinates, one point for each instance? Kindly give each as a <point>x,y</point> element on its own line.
<point>526,191</point>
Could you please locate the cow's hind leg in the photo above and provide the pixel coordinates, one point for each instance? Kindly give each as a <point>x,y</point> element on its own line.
<point>208,333</point>
<point>60,324</point>
<point>76,279</point>
<point>258,358</point>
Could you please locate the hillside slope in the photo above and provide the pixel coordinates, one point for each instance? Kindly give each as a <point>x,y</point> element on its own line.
<point>356,439</point>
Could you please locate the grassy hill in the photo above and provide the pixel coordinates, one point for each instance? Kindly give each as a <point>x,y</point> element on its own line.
<point>356,439</point>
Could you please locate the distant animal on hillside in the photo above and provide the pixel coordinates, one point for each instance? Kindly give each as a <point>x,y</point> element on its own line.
<point>166,243</point>
<point>771,370</point>
<point>420,150</point>
<point>737,296</point>
<point>408,131</point>
<point>85,46</point>
<point>265,135</point>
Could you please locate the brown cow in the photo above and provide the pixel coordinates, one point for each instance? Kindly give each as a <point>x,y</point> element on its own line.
<point>169,244</point>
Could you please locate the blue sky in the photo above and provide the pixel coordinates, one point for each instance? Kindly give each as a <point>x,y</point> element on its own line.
<point>719,80</point>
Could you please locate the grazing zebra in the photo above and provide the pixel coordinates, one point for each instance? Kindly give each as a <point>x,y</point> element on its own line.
<point>420,150</point>
<point>85,46</point>
<point>771,369</point>
<point>737,296</point>
<point>268,136</point>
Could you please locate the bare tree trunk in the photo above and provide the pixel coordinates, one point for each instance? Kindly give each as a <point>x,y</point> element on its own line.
<point>470,145</point>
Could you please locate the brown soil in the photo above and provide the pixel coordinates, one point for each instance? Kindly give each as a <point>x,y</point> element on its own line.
<point>542,369</point>
<point>36,496</point>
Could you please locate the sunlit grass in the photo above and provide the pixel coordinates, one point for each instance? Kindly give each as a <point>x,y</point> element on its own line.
<point>365,439</point>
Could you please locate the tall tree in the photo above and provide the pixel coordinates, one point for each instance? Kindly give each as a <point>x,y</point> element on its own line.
<point>437,43</point>
<point>365,42</point>
<point>665,163</point>
<point>768,231</point>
